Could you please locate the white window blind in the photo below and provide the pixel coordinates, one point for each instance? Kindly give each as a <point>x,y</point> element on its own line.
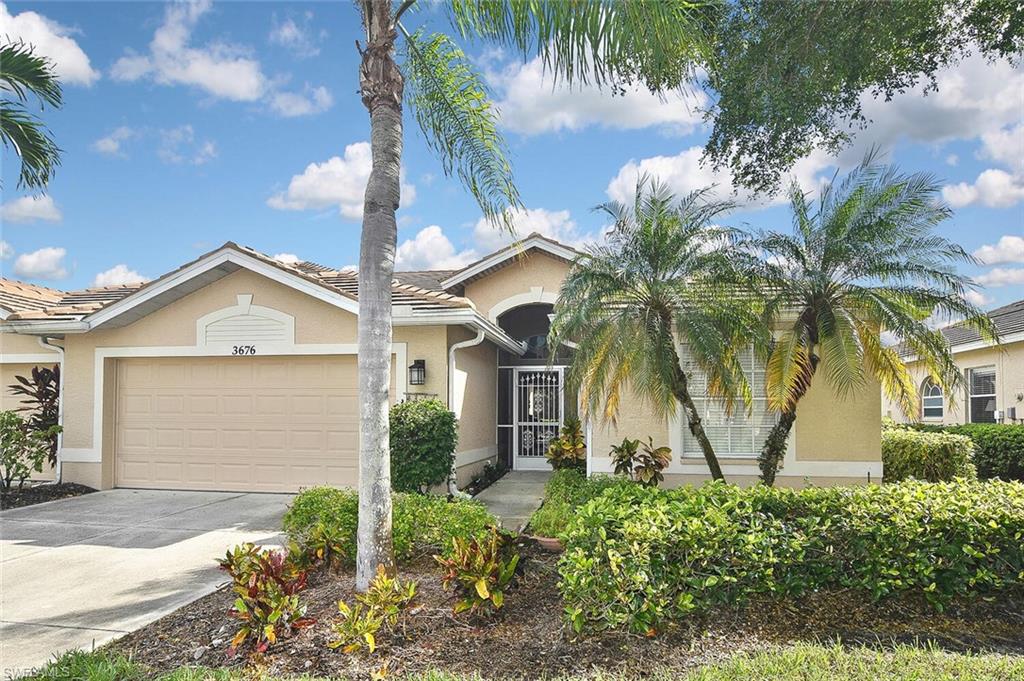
<point>739,434</point>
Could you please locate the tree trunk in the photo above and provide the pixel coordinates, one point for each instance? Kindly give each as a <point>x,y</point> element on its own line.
<point>774,449</point>
<point>381,89</point>
<point>693,420</point>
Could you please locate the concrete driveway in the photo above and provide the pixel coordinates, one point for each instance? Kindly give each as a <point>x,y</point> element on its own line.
<point>78,572</point>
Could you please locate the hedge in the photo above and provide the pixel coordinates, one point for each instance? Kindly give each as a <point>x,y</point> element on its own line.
<point>935,457</point>
<point>998,447</point>
<point>421,523</point>
<point>565,491</point>
<point>636,558</point>
<point>424,434</point>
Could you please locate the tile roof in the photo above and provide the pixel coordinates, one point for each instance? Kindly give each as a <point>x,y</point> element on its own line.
<point>29,302</point>
<point>1007,319</point>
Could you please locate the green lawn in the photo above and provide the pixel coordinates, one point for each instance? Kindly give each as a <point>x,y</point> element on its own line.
<point>803,662</point>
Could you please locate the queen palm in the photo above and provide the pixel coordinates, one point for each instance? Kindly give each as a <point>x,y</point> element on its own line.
<point>601,41</point>
<point>24,73</point>
<point>660,280</point>
<point>862,259</point>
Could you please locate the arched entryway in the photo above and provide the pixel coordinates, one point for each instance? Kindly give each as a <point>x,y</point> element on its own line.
<point>532,400</point>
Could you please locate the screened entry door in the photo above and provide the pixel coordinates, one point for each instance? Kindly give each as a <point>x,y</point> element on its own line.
<point>538,409</point>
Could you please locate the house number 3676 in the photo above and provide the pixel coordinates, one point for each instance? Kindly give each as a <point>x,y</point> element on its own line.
<point>243,349</point>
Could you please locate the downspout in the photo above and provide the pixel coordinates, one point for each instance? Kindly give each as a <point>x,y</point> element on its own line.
<point>44,341</point>
<point>452,486</point>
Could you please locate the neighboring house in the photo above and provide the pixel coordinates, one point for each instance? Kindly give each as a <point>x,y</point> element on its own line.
<point>238,372</point>
<point>993,375</point>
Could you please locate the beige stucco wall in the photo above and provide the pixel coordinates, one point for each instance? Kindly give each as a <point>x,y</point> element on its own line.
<point>830,428</point>
<point>475,405</point>
<point>13,344</point>
<point>1009,363</point>
<point>525,272</point>
<point>316,322</point>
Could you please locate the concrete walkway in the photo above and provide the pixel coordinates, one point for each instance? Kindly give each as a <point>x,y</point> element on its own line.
<point>75,573</point>
<point>515,497</point>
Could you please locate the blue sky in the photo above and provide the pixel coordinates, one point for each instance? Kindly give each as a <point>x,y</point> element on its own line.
<point>188,125</point>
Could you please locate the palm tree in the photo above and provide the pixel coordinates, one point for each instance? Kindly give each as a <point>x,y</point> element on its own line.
<point>660,279</point>
<point>861,260</point>
<point>606,42</point>
<point>23,73</point>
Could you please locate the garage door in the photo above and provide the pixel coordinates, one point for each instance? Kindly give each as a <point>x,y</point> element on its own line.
<point>271,424</point>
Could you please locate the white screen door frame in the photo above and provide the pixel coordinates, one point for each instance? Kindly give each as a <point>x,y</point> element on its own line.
<point>538,412</point>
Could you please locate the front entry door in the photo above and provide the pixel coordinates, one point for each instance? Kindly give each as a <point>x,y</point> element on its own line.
<point>538,408</point>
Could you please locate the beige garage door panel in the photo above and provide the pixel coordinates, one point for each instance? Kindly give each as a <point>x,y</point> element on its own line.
<point>237,423</point>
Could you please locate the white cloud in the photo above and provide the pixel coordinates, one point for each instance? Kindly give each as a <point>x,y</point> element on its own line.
<point>1007,249</point>
<point>30,209</point>
<point>312,100</point>
<point>337,182</point>
<point>430,249</point>
<point>530,105</point>
<point>952,160</point>
<point>978,298</point>
<point>179,145</point>
<point>117,275</point>
<point>1001,276</point>
<point>6,250</point>
<point>555,224</point>
<point>111,144</point>
<point>46,263</point>
<point>219,69</point>
<point>1006,147</point>
<point>298,37</point>
<point>50,39</point>
<point>994,188</point>
<point>287,258</point>
<point>686,172</point>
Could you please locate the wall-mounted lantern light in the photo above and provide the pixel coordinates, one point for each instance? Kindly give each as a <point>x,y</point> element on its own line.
<point>418,372</point>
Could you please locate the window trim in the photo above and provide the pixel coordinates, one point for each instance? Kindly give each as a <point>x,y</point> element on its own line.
<point>970,395</point>
<point>927,385</point>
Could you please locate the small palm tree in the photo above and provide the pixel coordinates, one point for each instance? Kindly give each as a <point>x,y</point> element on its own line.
<point>607,42</point>
<point>861,260</point>
<point>23,73</point>
<point>661,279</point>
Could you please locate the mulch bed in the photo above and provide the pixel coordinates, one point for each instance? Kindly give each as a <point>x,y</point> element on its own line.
<point>527,639</point>
<point>37,494</point>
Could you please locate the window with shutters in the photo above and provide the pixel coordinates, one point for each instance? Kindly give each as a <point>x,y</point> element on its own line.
<point>739,434</point>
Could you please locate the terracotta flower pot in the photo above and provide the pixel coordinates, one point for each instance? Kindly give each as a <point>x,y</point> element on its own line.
<point>549,544</point>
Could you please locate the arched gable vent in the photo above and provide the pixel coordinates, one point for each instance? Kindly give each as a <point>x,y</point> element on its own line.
<point>245,323</point>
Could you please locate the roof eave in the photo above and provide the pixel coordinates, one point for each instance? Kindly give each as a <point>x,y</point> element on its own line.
<point>507,253</point>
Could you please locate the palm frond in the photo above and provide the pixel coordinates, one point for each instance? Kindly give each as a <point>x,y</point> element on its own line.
<point>450,102</point>
<point>598,41</point>
<point>22,72</point>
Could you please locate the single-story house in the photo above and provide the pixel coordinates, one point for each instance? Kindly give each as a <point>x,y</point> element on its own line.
<point>993,386</point>
<point>238,372</point>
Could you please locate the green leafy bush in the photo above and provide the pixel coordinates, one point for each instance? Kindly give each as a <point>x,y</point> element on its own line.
<point>998,447</point>
<point>267,583</point>
<point>422,524</point>
<point>641,461</point>
<point>23,449</point>
<point>424,434</point>
<point>566,491</point>
<point>479,570</point>
<point>935,457</point>
<point>378,608</point>
<point>568,450</point>
<point>636,557</point>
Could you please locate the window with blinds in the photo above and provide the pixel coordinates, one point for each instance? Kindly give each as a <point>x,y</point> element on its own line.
<point>981,392</point>
<point>739,434</point>
<point>931,400</point>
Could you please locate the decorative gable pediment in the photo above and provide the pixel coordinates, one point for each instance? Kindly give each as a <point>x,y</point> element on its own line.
<point>245,323</point>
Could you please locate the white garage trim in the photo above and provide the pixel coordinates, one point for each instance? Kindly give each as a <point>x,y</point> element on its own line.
<point>537,294</point>
<point>95,453</point>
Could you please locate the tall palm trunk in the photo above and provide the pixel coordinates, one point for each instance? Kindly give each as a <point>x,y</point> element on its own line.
<point>381,86</point>
<point>681,390</point>
<point>774,448</point>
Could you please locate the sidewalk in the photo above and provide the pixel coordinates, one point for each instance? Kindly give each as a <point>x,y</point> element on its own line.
<point>515,497</point>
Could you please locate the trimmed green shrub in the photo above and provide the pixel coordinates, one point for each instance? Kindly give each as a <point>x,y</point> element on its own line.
<point>566,491</point>
<point>935,457</point>
<point>424,434</point>
<point>421,523</point>
<point>637,557</point>
<point>998,447</point>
